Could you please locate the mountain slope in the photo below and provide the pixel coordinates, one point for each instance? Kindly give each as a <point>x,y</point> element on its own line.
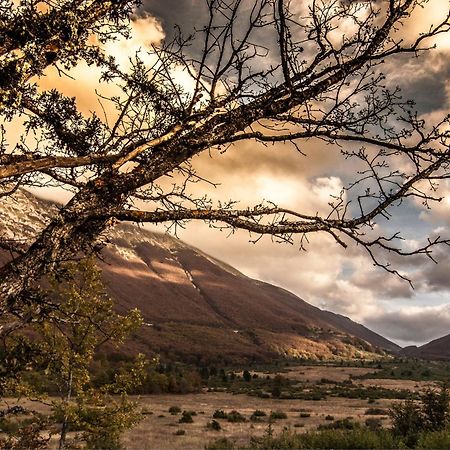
<point>196,307</point>
<point>438,349</point>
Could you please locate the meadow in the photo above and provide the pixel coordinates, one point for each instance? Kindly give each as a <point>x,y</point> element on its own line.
<point>163,430</point>
<point>242,406</point>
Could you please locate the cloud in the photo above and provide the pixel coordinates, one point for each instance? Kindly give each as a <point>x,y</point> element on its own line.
<point>382,284</point>
<point>414,325</point>
<point>435,277</point>
<point>426,83</point>
<point>326,275</point>
<point>83,82</point>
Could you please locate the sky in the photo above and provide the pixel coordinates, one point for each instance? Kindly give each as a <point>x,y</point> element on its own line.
<point>326,275</point>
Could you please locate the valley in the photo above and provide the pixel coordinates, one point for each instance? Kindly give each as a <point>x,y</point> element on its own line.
<point>367,403</point>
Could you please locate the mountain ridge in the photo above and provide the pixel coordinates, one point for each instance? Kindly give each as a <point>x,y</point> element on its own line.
<point>196,307</point>
<point>437,349</point>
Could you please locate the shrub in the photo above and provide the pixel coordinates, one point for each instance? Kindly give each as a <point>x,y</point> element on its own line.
<point>28,434</point>
<point>221,444</point>
<point>358,438</point>
<point>257,416</point>
<point>146,412</point>
<point>186,417</point>
<point>376,412</point>
<point>304,415</point>
<point>246,375</point>
<point>179,433</point>
<point>235,416</point>
<point>275,415</point>
<point>174,410</point>
<point>329,417</point>
<point>220,414</point>
<point>373,423</point>
<point>435,408</point>
<point>434,440</point>
<point>341,424</point>
<point>214,425</point>
<point>276,392</point>
<point>407,421</point>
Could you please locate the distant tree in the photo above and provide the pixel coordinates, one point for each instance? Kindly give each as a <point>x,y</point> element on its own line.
<point>246,375</point>
<point>322,84</point>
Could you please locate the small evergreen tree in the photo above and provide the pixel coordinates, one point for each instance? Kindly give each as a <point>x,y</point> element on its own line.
<point>246,376</point>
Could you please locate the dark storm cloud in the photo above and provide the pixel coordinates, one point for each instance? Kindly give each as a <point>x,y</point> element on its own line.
<point>192,16</point>
<point>187,14</point>
<point>426,83</point>
<point>437,276</point>
<point>419,325</point>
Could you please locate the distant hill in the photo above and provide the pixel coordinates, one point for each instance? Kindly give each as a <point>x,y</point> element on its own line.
<point>198,308</point>
<point>438,349</point>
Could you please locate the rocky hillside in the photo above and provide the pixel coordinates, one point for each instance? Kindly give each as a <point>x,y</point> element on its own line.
<point>198,308</point>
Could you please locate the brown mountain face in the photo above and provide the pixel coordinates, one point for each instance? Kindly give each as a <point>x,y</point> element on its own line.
<point>198,308</point>
<point>438,349</point>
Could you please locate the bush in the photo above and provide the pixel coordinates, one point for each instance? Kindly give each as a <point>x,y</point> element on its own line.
<point>328,417</point>
<point>359,438</point>
<point>304,415</point>
<point>342,424</point>
<point>275,415</point>
<point>235,416</point>
<point>434,440</point>
<point>257,415</point>
<point>29,434</point>
<point>221,444</point>
<point>407,421</point>
<point>276,392</point>
<point>374,423</point>
<point>220,414</point>
<point>410,419</point>
<point>174,410</point>
<point>214,425</point>
<point>179,433</point>
<point>376,412</point>
<point>246,375</point>
<point>186,417</point>
<point>435,408</point>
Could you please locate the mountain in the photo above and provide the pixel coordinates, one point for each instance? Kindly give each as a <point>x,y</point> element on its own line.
<point>196,307</point>
<point>438,349</point>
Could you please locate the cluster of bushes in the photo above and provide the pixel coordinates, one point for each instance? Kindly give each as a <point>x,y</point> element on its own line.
<point>232,416</point>
<point>420,424</point>
<point>357,438</point>
<point>409,369</point>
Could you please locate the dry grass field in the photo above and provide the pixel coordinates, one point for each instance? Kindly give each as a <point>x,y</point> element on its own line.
<point>158,430</point>
<point>162,431</point>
